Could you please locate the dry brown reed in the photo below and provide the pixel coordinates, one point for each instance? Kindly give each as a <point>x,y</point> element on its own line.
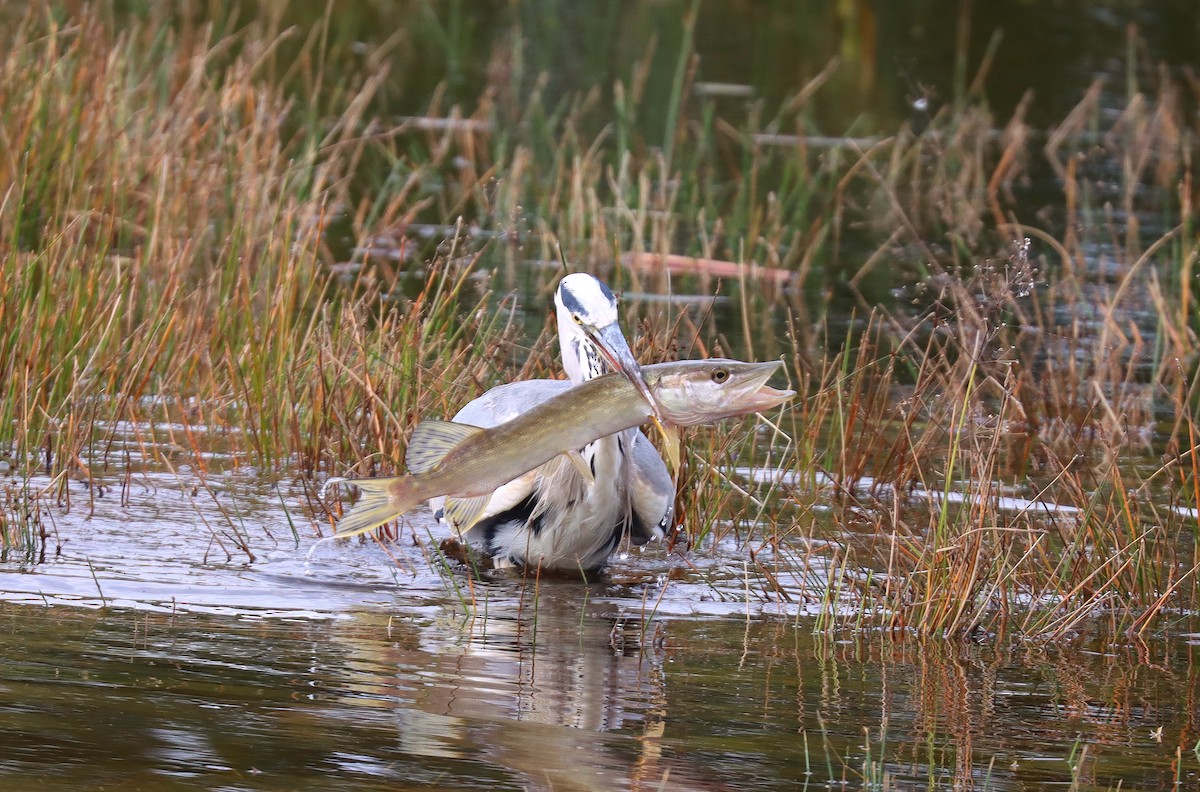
<point>163,265</point>
<point>1018,454</point>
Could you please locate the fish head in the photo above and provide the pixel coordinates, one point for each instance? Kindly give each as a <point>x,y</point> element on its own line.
<point>697,392</point>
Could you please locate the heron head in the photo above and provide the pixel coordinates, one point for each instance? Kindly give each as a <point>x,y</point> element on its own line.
<point>589,335</point>
<point>591,339</point>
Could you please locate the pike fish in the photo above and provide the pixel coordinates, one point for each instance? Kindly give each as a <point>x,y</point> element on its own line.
<point>468,463</point>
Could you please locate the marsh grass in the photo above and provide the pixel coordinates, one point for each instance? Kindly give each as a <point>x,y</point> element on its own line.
<point>1002,403</point>
<point>162,263</point>
<point>170,260</point>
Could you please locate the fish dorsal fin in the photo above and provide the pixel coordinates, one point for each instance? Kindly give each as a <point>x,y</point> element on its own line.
<point>462,513</point>
<point>432,440</point>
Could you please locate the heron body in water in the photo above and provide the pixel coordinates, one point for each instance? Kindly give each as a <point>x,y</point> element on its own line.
<point>555,516</point>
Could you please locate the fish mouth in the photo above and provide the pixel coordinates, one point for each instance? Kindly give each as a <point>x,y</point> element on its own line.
<point>768,398</point>
<point>758,395</point>
<point>749,389</point>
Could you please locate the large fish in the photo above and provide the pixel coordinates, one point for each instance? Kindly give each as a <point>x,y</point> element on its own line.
<point>468,463</point>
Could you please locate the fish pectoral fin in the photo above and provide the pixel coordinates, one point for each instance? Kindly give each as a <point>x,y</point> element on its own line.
<point>374,507</point>
<point>670,437</point>
<point>431,440</point>
<point>463,513</point>
<point>581,465</point>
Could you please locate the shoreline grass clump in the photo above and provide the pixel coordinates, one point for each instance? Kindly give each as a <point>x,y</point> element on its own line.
<point>162,256</point>
<point>998,476</point>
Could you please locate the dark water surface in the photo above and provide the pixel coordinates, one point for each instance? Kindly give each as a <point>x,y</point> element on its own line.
<point>575,696</point>
<point>891,66</point>
<point>895,61</point>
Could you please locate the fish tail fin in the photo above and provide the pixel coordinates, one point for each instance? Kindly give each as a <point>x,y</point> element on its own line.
<point>380,500</point>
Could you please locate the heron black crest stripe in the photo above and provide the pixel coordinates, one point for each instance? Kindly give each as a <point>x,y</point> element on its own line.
<point>571,302</point>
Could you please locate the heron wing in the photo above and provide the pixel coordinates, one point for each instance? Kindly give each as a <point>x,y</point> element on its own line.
<point>503,403</point>
<point>652,491</point>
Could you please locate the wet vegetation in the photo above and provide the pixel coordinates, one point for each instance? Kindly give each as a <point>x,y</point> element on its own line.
<point>220,235</point>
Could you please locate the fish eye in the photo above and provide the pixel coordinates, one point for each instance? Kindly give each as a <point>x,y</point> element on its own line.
<point>720,375</point>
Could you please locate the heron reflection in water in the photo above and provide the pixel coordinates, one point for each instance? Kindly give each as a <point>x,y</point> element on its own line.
<point>556,517</point>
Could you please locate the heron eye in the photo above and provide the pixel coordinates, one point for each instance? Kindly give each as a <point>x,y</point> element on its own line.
<point>720,375</point>
<point>577,319</point>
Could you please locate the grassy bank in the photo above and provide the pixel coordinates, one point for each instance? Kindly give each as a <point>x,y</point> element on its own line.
<point>199,234</point>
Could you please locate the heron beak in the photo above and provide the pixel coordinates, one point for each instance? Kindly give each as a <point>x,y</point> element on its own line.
<point>613,347</point>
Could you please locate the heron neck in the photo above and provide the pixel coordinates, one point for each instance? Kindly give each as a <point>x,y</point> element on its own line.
<point>608,458</point>
<point>580,359</point>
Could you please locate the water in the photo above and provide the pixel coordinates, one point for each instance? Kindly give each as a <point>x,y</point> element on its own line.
<point>572,695</point>
<point>146,649</point>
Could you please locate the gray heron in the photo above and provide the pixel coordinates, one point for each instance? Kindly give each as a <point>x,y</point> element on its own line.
<point>556,517</point>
